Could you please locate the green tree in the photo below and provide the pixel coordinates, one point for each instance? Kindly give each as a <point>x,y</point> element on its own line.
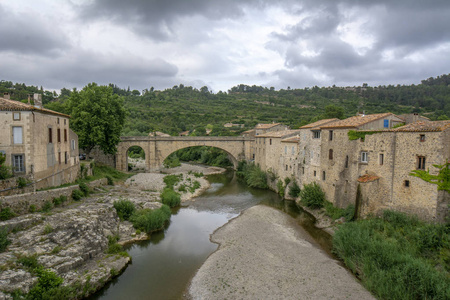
<point>333,111</point>
<point>98,117</point>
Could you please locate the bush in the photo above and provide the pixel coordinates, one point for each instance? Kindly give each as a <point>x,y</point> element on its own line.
<point>32,208</point>
<point>287,180</point>
<point>77,195</point>
<point>59,200</point>
<point>84,188</point>
<point>170,197</point>
<point>109,179</point>
<point>47,206</point>
<point>6,214</point>
<point>4,242</point>
<point>172,180</point>
<point>280,188</point>
<point>151,220</point>
<point>182,188</point>
<point>21,182</point>
<point>312,195</point>
<point>385,254</point>
<point>294,191</point>
<point>336,213</point>
<point>124,208</point>
<point>48,229</point>
<point>252,174</point>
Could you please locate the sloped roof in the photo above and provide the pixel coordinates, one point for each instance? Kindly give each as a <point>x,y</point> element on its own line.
<point>266,126</point>
<point>357,121</point>
<point>278,134</point>
<point>424,126</point>
<point>294,139</point>
<point>12,105</point>
<point>367,178</point>
<point>319,123</point>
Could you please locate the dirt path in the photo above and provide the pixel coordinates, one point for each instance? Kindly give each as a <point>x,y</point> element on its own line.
<point>263,256</point>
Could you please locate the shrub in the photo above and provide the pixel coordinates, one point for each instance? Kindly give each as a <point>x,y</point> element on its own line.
<point>48,282</point>
<point>5,171</point>
<point>32,208</point>
<point>4,242</point>
<point>196,185</point>
<point>21,182</point>
<point>6,214</point>
<point>113,246</point>
<point>151,220</point>
<point>29,262</point>
<point>47,206</point>
<point>280,188</point>
<point>182,188</point>
<point>59,200</point>
<point>287,180</point>
<point>172,180</point>
<point>109,179</point>
<point>312,195</point>
<point>336,212</point>
<point>124,208</point>
<point>294,191</point>
<point>77,195</point>
<point>48,229</point>
<point>170,197</point>
<point>198,174</point>
<point>84,188</point>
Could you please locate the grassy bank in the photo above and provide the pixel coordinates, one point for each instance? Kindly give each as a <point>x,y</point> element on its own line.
<point>397,256</point>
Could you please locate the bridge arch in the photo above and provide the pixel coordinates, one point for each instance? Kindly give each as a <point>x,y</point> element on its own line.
<point>158,148</point>
<point>232,159</point>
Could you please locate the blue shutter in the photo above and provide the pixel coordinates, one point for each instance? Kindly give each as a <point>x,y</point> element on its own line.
<point>386,123</point>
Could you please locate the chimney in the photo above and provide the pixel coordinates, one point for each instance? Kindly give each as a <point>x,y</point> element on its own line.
<point>37,100</point>
<point>6,95</point>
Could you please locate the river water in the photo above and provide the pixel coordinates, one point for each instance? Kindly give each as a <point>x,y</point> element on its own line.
<point>163,266</point>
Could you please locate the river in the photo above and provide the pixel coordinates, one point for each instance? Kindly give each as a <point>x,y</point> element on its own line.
<point>163,266</point>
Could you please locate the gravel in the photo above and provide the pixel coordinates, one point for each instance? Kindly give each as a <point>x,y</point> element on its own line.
<point>262,255</point>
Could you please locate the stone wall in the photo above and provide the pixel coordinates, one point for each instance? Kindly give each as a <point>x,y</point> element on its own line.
<point>99,156</point>
<point>20,204</point>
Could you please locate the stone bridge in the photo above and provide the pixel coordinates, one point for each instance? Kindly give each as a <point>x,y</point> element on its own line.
<point>157,149</point>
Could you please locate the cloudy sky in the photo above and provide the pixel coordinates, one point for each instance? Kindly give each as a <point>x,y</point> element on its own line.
<point>220,44</point>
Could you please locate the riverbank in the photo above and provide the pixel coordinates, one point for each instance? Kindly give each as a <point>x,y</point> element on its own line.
<point>270,259</point>
<point>74,241</point>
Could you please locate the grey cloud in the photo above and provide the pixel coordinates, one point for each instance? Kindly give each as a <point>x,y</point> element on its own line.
<point>78,69</point>
<point>28,33</point>
<point>155,18</point>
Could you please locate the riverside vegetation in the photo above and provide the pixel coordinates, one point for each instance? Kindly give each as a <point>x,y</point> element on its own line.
<point>396,256</point>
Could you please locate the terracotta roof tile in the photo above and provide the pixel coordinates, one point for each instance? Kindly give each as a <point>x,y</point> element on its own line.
<point>12,105</point>
<point>319,123</point>
<point>367,178</point>
<point>294,139</point>
<point>279,134</point>
<point>356,121</point>
<point>424,126</point>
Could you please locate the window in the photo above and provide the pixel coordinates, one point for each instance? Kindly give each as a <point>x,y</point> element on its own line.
<point>17,135</point>
<point>303,170</point>
<point>293,150</point>
<point>422,137</point>
<point>65,135</point>
<point>381,158</point>
<point>270,141</point>
<point>364,157</point>
<point>50,136</point>
<point>331,135</point>
<point>57,120</point>
<point>58,136</point>
<point>59,157</point>
<point>406,183</point>
<point>65,157</point>
<point>386,123</point>
<point>420,162</point>
<point>285,149</point>
<point>16,116</point>
<point>64,121</point>
<point>315,173</point>
<point>287,167</point>
<point>346,161</point>
<point>18,163</point>
<point>73,146</point>
<point>323,175</point>
<point>316,134</point>
<point>330,154</point>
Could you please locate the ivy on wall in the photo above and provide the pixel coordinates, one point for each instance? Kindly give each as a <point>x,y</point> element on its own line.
<point>356,135</point>
<point>442,179</point>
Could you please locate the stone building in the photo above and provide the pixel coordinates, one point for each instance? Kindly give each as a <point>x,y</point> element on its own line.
<point>387,183</point>
<point>274,155</point>
<point>344,160</point>
<point>38,142</point>
<point>309,151</point>
<point>289,157</point>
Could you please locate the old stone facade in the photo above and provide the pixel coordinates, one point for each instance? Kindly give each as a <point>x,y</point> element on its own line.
<point>38,143</point>
<point>380,162</point>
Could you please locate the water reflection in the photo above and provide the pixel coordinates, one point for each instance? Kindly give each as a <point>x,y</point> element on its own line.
<point>163,266</point>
